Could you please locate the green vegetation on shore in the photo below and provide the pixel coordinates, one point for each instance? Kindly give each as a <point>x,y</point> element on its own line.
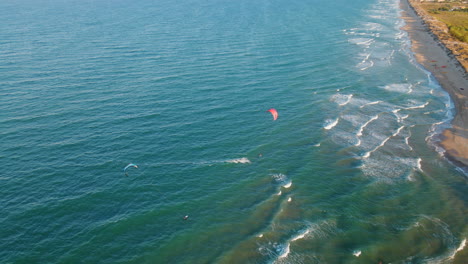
<point>453,14</point>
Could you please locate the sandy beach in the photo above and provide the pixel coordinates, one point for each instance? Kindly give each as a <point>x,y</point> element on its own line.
<point>430,52</point>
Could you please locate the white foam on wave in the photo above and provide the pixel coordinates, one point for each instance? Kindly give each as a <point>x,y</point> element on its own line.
<point>366,30</point>
<point>411,177</point>
<point>386,168</point>
<point>366,42</point>
<point>359,133</point>
<point>383,142</point>
<point>407,141</point>
<point>314,231</point>
<point>366,57</point>
<point>398,87</point>
<point>460,248</point>
<point>410,88</point>
<point>285,252</point>
<point>448,257</point>
<point>372,26</point>
<point>361,129</point>
<point>389,58</point>
<point>286,249</point>
<point>366,65</point>
<point>301,235</point>
<point>330,123</point>
<point>240,160</point>
<point>283,180</point>
<point>395,112</point>
<point>367,154</point>
<point>357,253</point>
<point>400,35</point>
<point>419,164</point>
<point>279,177</point>
<point>341,99</point>
<point>371,103</point>
<point>439,230</point>
<point>358,142</point>
<point>418,106</point>
<point>398,131</point>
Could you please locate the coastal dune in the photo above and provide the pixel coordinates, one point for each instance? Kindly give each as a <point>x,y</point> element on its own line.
<point>449,71</point>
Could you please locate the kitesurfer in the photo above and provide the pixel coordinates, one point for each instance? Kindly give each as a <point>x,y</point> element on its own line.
<point>128,166</point>
<point>274,113</point>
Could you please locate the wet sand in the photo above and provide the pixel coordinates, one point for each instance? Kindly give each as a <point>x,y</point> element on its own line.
<point>451,75</point>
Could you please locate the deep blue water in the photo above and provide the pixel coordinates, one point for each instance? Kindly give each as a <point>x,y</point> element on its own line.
<point>350,172</point>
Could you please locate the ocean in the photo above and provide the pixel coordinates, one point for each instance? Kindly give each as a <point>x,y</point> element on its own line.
<point>350,172</point>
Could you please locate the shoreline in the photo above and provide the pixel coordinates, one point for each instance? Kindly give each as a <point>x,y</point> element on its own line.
<point>435,57</point>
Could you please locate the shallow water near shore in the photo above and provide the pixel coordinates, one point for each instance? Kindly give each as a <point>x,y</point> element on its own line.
<point>348,173</point>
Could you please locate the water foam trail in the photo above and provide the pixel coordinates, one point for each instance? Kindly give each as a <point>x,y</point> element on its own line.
<point>330,123</point>
<point>240,160</point>
<point>371,103</point>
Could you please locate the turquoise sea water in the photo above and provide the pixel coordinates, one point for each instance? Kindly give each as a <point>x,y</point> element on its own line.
<point>350,172</point>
